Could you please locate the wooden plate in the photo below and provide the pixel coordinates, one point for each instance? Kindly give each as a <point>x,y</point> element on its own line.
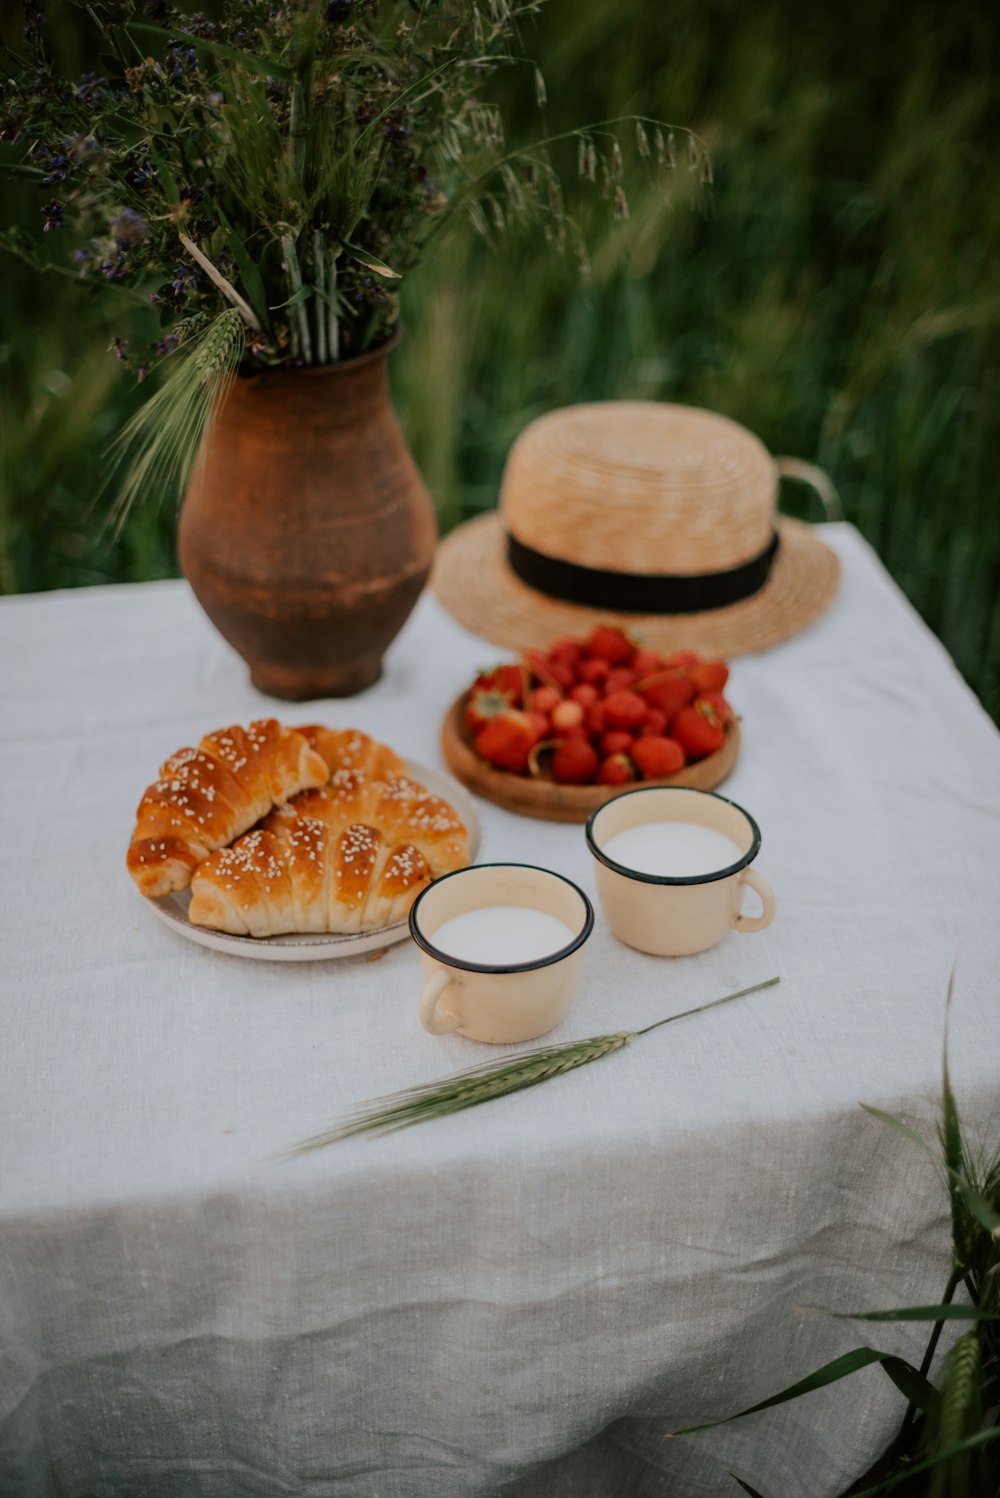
<point>541,796</point>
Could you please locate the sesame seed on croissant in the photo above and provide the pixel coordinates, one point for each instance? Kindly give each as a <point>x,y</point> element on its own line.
<point>350,749</point>
<point>348,856</point>
<point>206,797</point>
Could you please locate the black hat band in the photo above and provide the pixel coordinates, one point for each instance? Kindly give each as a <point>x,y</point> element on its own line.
<point>640,592</point>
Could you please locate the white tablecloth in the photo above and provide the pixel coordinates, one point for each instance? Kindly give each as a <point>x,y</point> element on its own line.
<point>524,1298</point>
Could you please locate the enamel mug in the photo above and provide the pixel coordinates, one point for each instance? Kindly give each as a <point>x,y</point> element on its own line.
<point>499,1002</point>
<point>675,915</point>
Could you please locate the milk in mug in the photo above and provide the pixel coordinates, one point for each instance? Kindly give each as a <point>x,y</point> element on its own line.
<point>502,935</point>
<point>673,850</point>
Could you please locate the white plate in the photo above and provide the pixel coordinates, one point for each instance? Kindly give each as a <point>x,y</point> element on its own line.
<point>315,948</point>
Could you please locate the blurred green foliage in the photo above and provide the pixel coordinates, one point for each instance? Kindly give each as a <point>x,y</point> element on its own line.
<point>840,297</point>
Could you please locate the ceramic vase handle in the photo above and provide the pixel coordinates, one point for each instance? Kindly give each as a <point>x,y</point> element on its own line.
<point>435,1023</point>
<point>757,922</point>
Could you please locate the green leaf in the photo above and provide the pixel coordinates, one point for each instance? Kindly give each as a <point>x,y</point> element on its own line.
<point>902,1128</point>
<point>976,1203</point>
<point>401,98</point>
<point>302,295</point>
<point>167,179</point>
<point>979,1207</point>
<point>16,242</point>
<point>914,1387</point>
<point>247,267</point>
<point>830,1373</point>
<point>268,67</point>
<point>968,1443</point>
<point>951,1139</point>
<point>746,1486</point>
<point>371,261</point>
<point>920,1313</point>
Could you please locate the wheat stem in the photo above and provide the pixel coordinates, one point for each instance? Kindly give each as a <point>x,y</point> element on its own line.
<point>481,1084</point>
<point>161,440</point>
<point>294,274</point>
<point>226,287</point>
<point>319,301</point>
<point>333,323</point>
<point>297,129</point>
<point>715,1004</point>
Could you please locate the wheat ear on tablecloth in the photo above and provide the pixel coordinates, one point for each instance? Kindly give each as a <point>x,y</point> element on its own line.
<point>481,1084</point>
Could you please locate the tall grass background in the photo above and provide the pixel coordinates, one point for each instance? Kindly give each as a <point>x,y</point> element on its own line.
<point>839,296</point>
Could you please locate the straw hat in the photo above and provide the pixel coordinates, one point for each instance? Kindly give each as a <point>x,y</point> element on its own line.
<point>658,518</point>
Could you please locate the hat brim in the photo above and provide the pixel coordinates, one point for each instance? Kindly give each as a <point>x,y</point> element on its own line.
<point>474,582</point>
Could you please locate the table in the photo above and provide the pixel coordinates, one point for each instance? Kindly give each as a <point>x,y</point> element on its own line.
<point>527,1298</point>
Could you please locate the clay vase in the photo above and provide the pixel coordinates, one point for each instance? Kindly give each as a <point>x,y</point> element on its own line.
<point>307,533</point>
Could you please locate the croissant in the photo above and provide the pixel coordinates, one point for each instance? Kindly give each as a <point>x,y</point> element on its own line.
<point>207,796</point>
<point>350,749</point>
<point>349,856</point>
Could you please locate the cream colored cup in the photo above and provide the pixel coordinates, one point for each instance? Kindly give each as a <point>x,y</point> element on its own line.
<point>673,917</point>
<point>498,1004</point>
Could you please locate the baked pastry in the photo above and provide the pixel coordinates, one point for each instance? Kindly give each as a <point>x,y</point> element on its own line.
<point>350,749</point>
<point>349,856</point>
<point>207,796</point>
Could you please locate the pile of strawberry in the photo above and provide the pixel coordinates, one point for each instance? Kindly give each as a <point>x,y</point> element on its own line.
<point>604,709</point>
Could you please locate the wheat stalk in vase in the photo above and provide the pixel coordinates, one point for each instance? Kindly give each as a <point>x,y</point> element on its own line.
<point>481,1084</point>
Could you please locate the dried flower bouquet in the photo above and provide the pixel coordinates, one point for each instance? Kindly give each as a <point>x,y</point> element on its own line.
<point>267,179</point>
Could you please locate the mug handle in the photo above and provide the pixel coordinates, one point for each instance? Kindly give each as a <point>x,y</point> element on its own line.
<point>432,1021</point>
<point>818,480</point>
<point>757,922</point>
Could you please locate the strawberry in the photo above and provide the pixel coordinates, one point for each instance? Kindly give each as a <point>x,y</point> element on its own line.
<point>682,658</point>
<point>667,691</point>
<point>508,678</point>
<point>624,710</point>
<point>491,693</point>
<point>645,662</point>
<point>574,762</point>
<point>566,715</point>
<point>657,756</point>
<point>539,722</point>
<point>709,676</point>
<point>544,699</point>
<point>570,652</point>
<point>655,723</point>
<point>562,674</point>
<point>584,693</point>
<point>596,718</point>
<point>616,741</point>
<point>555,676</point>
<point>610,645</point>
<point>506,741</point>
<point>617,769</point>
<point>594,672</point>
<point>620,678</point>
<point>723,711</point>
<point>697,729</point>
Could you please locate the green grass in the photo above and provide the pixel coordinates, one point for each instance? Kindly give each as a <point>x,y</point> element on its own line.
<point>841,297</point>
